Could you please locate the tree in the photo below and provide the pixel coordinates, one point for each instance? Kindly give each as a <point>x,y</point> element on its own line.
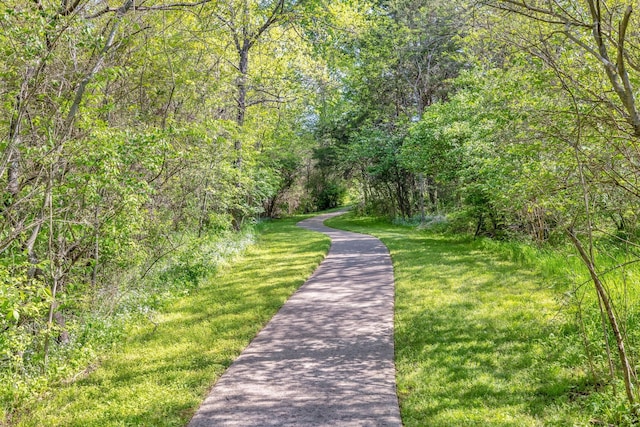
<point>394,65</point>
<point>247,23</point>
<point>588,48</point>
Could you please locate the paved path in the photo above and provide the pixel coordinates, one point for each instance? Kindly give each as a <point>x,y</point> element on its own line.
<point>326,358</point>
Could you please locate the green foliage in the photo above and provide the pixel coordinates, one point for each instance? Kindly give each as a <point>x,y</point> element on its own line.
<point>374,161</point>
<point>434,143</point>
<point>483,334</point>
<point>118,171</point>
<point>165,363</point>
<point>134,140</point>
<point>102,324</point>
<point>397,63</point>
<point>24,303</point>
<point>330,196</point>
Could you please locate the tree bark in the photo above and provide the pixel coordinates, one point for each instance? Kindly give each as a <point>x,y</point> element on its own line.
<point>629,374</point>
<point>243,68</point>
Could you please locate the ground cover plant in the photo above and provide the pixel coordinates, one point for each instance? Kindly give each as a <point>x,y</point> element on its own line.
<point>161,373</point>
<point>131,129</point>
<point>101,316</point>
<point>483,333</point>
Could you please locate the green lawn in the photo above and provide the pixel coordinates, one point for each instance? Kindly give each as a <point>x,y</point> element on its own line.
<point>479,338</point>
<point>159,376</point>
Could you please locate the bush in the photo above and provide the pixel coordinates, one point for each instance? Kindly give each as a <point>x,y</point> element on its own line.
<point>330,196</point>
<point>133,296</point>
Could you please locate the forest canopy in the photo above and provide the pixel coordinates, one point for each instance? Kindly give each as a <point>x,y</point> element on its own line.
<point>133,132</point>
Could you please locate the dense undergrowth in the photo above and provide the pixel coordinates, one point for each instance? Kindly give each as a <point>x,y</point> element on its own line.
<point>196,314</point>
<point>102,316</point>
<point>494,333</point>
<point>488,333</point>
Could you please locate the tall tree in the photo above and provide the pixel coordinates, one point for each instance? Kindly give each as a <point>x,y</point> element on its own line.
<point>247,22</point>
<point>588,47</point>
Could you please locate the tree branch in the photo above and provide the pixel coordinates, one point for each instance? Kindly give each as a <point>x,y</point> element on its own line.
<point>629,99</point>
<point>524,9</point>
<point>172,6</point>
<point>67,9</point>
<point>276,13</point>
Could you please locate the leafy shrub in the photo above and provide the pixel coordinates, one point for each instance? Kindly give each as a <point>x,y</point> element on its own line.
<point>330,196</point>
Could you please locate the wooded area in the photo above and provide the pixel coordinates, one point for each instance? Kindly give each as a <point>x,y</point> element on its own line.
<point>137,133</point>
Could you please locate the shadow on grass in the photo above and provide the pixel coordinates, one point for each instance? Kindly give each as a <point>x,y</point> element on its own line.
<point>327,356</point>
<point>164,370</point>
<point>472,332</point>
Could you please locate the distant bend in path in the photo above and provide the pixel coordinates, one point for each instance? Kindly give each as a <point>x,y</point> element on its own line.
<point>326,358</point>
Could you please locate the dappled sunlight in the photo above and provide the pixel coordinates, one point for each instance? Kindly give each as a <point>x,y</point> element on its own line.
<point>471,333</point>
<point>326,358</point>
<point>168,362</point>
<point>481,320</point>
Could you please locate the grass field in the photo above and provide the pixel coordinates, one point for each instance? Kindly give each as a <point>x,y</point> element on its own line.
<point>481,339</point>
<point>482,336</point>
<point>159,376</point>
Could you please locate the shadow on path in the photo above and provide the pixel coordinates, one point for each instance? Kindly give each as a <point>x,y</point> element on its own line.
<point>326,358</point>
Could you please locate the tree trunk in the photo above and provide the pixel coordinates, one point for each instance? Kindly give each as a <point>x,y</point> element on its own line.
<point>628,372</point>
<point>421,197</point>
<point>243,67</point>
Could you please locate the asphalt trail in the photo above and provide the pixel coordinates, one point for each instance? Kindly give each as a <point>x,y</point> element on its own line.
<point>326,358</point>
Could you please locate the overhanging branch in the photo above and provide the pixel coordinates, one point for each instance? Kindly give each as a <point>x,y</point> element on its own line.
<point>172,6</point>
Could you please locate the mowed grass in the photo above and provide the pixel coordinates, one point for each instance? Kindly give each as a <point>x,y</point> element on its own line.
<point>160,375</point>
<point>479,338</point>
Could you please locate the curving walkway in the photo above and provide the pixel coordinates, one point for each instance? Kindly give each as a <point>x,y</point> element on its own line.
<point>326,358</point>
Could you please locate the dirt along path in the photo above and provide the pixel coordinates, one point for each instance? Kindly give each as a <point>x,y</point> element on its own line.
<point>326,358</point>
